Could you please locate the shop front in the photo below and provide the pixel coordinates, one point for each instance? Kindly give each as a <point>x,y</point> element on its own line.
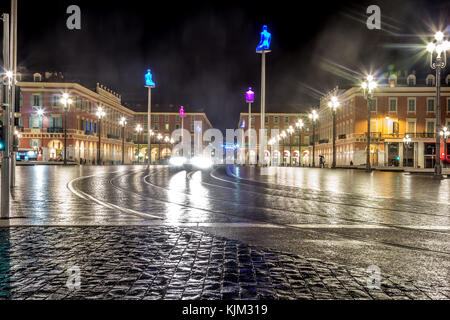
<point>393,159</point>
<point>429,154</point>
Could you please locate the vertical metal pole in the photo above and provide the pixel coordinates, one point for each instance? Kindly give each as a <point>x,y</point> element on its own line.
<point>99,140</point>
<point>299,147</point>
<point>123,144</point>
<point>290,150</point>
<point>139,148</point>
<point>13,68</point>
<point>65,134</point>
<point>263,106</point>
<point>182,134</point>
<point>5,179</point>
<point>149,124</point>
<point>437,166</point>
<point>314,144</point>
<point>333,164</point>
<point>368,135</point>
<point>249,129</point>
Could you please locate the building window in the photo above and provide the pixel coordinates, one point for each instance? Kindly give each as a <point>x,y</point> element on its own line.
<point>177,126</point>
<point>430,80</point>
<point>430,126</point>
<point>78,102</point>
<point>430,105</point>
<point>166,127</point>
<point>275,119</point>
<point>36,100</point>
<point>395,127</point>
<point>266,119</point>
<point>156,118</point>
<point>177,118</point>
<point>448,105</point>
<point>156,126</point>
<point>286,119</point>
<point>166,118</point>
<point>411,105</point>
<point>35,121</point>
<point>393,105</point>
<point>37,77</point>
<point>35,143</point>
<point>192,119</point>
<point>55,100</point>
<point>411,80</point>
<point>411,127</point>
<point>373,104</point>
<point>192,127</point>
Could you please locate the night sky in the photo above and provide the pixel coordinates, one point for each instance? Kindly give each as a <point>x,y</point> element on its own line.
<point>202,54</point>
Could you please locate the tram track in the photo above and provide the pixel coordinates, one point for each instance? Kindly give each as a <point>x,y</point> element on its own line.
<point>330,233</point>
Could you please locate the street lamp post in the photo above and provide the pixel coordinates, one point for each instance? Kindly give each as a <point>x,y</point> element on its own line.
<point>100,115</point>
<point>263,48</point>
<point>368,87</point>
<point>138,130</point>
<point>290,131</point>
<point>249,98</point>
<point>444,134</point>
<point>406,142</point>
<point>299,125</point>
<point>151,133</point>
<point>149,83</point>
<point>283,136</point>
<point>439,46</point>
<point>334,104</point>
<point>313,116</point>
<point>123,123</point>
<point>159,137</point>
<point>66,101</point>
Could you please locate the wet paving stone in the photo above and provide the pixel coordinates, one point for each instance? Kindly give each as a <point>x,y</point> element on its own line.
<point>151,263</point>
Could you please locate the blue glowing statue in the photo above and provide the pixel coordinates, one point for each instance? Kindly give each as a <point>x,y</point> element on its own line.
<point>264,43</point>
<point>148,79</point>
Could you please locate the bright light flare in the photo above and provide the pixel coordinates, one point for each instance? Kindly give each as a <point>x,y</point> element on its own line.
<point>439,36</point>
<point>177,161</point>
<point>201,162</point>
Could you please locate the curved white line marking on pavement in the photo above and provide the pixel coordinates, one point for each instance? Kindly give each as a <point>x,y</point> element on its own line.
<point>87,196</point>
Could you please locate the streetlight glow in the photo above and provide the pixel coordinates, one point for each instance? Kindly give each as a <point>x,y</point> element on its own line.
<point>439,36</point>
<point>438,62</point>
<point>100,113</point>
<point>40,112</point>
<point>368,86</point>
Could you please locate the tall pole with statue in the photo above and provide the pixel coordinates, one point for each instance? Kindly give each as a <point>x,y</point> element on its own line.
<point>149,83</point>
<point>263,48</point>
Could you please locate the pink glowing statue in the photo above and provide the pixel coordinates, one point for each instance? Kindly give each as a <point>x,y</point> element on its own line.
<point>182,114</point>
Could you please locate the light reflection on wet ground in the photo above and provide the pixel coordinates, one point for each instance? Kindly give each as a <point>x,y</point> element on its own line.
<point>397,221</point>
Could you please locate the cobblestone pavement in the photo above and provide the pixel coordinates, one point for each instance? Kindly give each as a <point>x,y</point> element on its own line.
<point>336,216</point>
<point>175,263</point>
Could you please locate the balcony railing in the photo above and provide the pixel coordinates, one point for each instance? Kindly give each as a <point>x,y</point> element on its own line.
<point>55,130</point>
<point>323,141</point>
<point>342,136</point>
<point>111,136</point>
